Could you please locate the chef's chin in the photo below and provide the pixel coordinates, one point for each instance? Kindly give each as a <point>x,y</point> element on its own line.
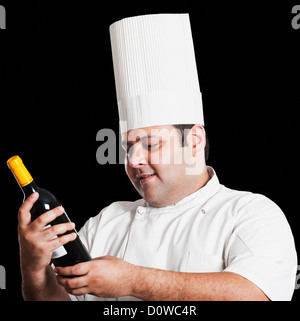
<point>155,197</point>
<point>151,195</point>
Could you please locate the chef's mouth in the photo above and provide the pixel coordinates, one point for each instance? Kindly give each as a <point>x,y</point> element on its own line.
<point>146,178</point>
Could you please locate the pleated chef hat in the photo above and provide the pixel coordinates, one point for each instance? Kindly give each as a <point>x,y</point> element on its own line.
<point>155,71</point>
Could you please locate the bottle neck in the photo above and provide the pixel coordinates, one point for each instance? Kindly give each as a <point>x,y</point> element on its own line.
<point>29,189</point>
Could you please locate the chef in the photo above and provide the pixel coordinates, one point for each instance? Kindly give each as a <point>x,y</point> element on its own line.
<point>189,237</point>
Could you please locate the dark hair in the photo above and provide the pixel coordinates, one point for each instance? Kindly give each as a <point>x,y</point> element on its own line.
<point>184,132</point>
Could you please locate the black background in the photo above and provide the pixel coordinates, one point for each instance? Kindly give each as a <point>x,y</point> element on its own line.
<point>57,91</point>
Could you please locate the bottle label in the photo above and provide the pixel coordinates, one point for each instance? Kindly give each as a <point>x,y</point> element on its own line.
<point>59,252</point>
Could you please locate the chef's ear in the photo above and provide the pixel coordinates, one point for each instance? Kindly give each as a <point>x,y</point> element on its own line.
<point>196,139</point>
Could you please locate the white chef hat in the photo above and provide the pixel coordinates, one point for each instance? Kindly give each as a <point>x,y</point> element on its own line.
<point>155,71</point>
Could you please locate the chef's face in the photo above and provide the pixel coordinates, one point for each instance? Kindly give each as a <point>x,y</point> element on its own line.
<point>156,163</point>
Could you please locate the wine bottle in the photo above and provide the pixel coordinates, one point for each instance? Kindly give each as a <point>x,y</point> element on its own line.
<point>69,254</point>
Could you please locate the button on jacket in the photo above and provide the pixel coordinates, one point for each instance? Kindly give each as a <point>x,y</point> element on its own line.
<point>212,230</point>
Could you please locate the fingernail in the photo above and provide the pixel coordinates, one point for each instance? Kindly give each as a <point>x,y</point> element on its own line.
<point>61,209</point>
<point>35,195</point>
<point>72,224</point>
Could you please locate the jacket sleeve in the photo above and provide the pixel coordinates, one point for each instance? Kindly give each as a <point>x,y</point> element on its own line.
<point>262,249</point>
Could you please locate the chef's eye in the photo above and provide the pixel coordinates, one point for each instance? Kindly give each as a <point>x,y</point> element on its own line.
<point>151,146</point>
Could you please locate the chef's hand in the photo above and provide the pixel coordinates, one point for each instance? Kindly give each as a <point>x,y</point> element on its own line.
<point>105,276</point>
<point>36,242</point>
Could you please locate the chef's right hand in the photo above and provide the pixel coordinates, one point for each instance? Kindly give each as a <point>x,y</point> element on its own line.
<point>37,244</point>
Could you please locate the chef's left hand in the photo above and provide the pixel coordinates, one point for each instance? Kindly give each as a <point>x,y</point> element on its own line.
<point>105,276</point>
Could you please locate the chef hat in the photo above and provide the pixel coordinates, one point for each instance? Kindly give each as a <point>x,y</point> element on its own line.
<point>155,71</point>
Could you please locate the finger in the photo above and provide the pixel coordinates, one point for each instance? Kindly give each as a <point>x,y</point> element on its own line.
<point>79,291</point>
<point>62,240</point>
<point>75,270</point>
<point>72,283</point>
<point>46,218</point>
<point>53,231</point>
<point>24,215</point>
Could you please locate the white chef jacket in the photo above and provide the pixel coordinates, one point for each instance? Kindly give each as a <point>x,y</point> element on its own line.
<point>212,230</point>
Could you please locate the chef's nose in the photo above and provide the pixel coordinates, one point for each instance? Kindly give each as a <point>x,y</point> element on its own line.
<point>137,156</point>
